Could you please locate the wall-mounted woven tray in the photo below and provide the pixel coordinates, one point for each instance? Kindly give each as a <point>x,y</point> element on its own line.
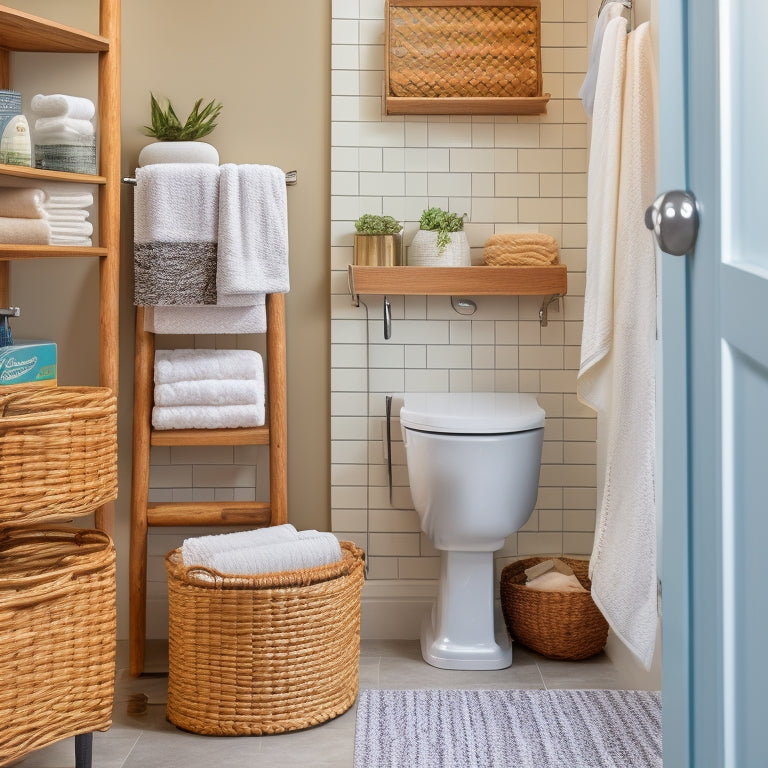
<point>57,635</point>
<point>253,655</point>
<point>463,57</point>
<point>58,452</point>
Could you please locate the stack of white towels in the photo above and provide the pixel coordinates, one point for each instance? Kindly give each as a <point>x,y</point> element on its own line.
<point>264,550</point>
<point>51,215</point>
<point>64,121</point>
<point>208,389</point>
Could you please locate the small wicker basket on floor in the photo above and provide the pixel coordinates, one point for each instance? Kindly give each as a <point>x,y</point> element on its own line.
<point>558,625</point>
<point>58,452</point>
<point>57,636</point>
<point>252,655</point>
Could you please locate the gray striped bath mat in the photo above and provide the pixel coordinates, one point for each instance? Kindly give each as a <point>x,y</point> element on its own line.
<point>508,729</point>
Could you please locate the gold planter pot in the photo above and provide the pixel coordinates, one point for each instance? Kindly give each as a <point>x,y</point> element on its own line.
<point>378,250</point>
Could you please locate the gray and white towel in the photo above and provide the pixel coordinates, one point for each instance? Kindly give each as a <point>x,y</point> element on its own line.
<point>175,234</point>
<point>207,319</point>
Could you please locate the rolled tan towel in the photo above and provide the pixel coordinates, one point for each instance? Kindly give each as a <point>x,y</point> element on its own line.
<point>525,249</point>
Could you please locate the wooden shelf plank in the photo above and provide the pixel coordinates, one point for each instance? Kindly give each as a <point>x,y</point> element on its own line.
<point>21,31</point>
<point>38,174</point>
<point>241,436</point>
<point>467,105</point>
<point>455,281</point>
<point>255,513</point>
<point>11,252</point>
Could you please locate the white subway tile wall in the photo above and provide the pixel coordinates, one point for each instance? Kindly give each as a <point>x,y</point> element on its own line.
<point>508,174</point>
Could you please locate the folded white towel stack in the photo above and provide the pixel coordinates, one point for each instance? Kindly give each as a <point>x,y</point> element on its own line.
<point>61,105</point>
<point>208,389</point>
<point>66,209</point>
<point>269,550</point>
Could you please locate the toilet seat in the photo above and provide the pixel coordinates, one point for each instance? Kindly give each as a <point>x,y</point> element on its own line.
<point>486,413</point>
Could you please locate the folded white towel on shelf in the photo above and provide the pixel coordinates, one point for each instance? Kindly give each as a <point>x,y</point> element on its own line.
<point>175,233</point>
<point>211,319</point>
<point>24,231</point>
<point>84,128</point>
<point>70,228</point>
<point>22,203</point>
<point>65,201</point>
<point>207,416</point>
<point>74,240</point>
<point>303,553</point>
<point>62,105</point>
<point>65,215</point>
<point>211,392</point>
<point>196,364</point>
<point>253,230</point>
<point>199,549</point>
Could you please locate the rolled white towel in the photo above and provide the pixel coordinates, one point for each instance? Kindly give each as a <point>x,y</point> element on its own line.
<point>62,105</point>
<point>197,364</point>
<point>301,554</point>
<point>198,550</point>
<point>210,392</point>
<point>51,124</point>
<point>207,416</point>
<point>22,203</point>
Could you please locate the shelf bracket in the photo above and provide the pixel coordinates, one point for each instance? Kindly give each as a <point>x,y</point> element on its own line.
<point>543,311</point>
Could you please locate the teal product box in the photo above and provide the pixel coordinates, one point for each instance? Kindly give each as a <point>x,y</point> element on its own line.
<point>28,362</point>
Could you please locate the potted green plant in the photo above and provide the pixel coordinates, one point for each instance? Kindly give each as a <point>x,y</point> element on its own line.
<point>378,241</point>
<point>440,241</point>
<point>179,142</point>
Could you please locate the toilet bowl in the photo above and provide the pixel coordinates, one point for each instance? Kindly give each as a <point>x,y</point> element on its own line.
<point>473,464</point>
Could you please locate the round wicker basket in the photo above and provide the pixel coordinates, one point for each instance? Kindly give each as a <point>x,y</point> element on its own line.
<point>253,655</point>
<point>58,452</point>
<point>558,625</point>
<point>423,250</point>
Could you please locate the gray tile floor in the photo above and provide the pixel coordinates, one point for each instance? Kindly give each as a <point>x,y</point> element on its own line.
<point>141,737</point>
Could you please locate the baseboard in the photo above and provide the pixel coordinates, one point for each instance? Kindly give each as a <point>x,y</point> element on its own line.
<point>394,609</point>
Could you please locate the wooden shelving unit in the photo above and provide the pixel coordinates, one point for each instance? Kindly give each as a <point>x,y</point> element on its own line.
<point>21,31</point>
<point>459,281</point>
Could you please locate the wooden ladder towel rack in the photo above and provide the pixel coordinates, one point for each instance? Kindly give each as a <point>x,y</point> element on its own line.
<point>252,513</point>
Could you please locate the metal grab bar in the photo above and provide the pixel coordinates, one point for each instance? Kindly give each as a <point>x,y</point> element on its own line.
<point>291,178</point>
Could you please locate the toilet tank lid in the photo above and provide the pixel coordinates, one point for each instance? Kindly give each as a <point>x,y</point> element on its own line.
<point>471,412</point>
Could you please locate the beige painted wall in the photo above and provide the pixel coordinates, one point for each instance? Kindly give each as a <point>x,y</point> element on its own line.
<point>269,63</point>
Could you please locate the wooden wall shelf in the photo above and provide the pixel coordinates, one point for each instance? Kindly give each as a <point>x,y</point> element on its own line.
<point>21,31</point>
<point>459,281</point>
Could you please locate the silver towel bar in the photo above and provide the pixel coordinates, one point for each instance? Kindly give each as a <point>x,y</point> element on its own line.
<point>291,178</point>
<point>625,3</point>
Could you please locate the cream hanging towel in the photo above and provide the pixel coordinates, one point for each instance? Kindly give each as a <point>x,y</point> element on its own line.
<point>617,373</point>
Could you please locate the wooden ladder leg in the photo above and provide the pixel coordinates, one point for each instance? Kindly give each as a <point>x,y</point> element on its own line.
<point>142,415</point>
<point>84,750</point>
<point>278,411</point>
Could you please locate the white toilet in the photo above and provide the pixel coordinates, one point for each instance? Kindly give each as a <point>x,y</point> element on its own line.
<point>473,464</point>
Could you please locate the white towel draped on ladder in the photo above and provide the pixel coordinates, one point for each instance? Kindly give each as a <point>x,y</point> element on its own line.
<point>617,372</point>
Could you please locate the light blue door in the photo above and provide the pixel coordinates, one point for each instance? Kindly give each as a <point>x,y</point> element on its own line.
<point>714,125</point>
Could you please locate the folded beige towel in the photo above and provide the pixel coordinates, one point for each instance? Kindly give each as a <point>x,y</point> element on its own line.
<point>22,203</point>
<point>524,249</point>
<point>554,581</point>
<point>24,231</point>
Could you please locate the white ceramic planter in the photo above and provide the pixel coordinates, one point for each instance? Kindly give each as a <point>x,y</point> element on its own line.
<point>178,152</point>
<point>423,250</point>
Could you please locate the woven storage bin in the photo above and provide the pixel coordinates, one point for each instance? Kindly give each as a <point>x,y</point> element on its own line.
<point>252,655</point>
<point>58,452</point>
<point>57,636</point>
<point>423,250</point>
<point>473,50</point>
<point>558,625</point>
<point>74,158</point>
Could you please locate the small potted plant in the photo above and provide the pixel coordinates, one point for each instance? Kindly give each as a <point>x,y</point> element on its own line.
<point>378,241</point>
<point>440,241</point>
<point>178,142</point>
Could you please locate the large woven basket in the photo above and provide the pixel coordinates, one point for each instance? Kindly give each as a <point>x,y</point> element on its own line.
<point>58,452</point>
<point>489,49</point>
<point>252,655</point>
<point>57,636</point>
<point>558,625</point>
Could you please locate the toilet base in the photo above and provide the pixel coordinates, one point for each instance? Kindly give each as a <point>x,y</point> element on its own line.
<point>460,631</point>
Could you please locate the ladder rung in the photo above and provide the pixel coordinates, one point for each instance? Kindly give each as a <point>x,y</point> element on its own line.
<point>240,436</point>
<point>255,513</point>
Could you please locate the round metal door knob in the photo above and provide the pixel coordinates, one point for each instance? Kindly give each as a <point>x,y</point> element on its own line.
<point>674,220</point>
